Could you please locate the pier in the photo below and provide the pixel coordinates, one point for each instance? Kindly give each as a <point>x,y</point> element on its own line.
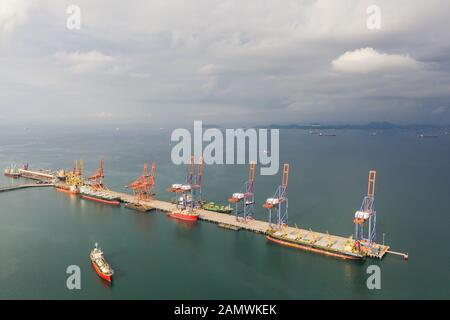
<point>25,186</point>
<point>258,226</point>
<point>222,220</point>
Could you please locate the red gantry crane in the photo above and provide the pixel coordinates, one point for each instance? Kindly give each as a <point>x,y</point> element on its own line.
<point>144,187</point>
<point>96,181</point>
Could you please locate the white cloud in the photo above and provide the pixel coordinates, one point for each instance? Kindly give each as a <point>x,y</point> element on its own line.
<point>166,56</point>
<point>209,69</point>
<point>12,14</point>
<point>369,60</point>
<point>81,62</point>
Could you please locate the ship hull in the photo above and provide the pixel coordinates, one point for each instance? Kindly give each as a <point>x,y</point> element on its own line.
<point>181,216</point>
<point>305,247</point>
<point>101,274</point>
<point>115,203</point>
<point>13,175</point>
<point>68,191</point>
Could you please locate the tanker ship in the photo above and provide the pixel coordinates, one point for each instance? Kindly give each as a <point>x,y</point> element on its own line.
<point>100,265</point>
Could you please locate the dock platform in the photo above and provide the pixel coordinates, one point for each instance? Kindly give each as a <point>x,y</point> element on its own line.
<point>25,186</point>
<point>230,221</point>
<point>378,251</point>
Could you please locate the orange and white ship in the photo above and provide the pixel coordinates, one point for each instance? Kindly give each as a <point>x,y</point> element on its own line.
<point>185,215</point>
<point>100,265</point>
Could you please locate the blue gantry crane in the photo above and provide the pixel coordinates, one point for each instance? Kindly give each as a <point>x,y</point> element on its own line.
<point>366,215</point>
<point>278,205</point>
<point>244,200</point>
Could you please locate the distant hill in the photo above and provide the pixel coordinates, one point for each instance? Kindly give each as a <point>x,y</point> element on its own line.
<point>367,126</point>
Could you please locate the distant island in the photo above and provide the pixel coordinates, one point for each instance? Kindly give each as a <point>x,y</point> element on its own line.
<point>367,126</point>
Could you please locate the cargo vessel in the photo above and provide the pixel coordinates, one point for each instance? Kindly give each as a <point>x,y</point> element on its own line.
<point>100,265</point>
<point>351,250</point>
<point>211,206</point>
<point>61,175</point>
<point>67,189</point>
<point>12,172</point>
<point>99,196</point>
<point>185,215</point>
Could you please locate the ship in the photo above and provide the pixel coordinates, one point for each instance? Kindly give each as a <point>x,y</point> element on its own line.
<point>100,265</point>
<point>185,215</point>
<point>427,135</point>
<point>12,172</point>
<point>67,189</point>
<point>351,251</point>
<point>61,175</point>
<point>92,194</point>
<point>211,206</point>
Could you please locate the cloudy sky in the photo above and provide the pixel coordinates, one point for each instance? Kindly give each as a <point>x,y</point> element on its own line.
<point>224,61</point>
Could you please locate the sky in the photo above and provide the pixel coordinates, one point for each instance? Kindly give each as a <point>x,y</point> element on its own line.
<point>225,62</point>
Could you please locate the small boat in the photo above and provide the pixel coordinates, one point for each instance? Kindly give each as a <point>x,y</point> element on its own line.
<point>427,135</point>
<point>327,134</point>
<point>211,206</point>
<point>185,215</point>
<point>100,265</point>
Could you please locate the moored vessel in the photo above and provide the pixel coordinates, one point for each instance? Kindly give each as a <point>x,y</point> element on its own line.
<point>12,172</point>
<point>90,193</point>
<point>67,189</point>
<point>351,251</point>
<point>100,265</point>
<point>211,206</point>
<point>185,215</point>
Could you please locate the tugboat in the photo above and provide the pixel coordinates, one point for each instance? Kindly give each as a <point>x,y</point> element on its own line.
<point>12,172</point>
<point>100,265</point>
<point>185,215</point>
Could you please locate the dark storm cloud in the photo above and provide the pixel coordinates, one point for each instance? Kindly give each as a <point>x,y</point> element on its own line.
<point>225,61</point>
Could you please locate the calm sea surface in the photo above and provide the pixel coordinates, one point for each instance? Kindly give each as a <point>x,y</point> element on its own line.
<point>43,231</point>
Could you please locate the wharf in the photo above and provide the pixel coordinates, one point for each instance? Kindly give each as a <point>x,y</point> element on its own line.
<point>25,186</point>
<point>323,239</point>
<point>229,221</point>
